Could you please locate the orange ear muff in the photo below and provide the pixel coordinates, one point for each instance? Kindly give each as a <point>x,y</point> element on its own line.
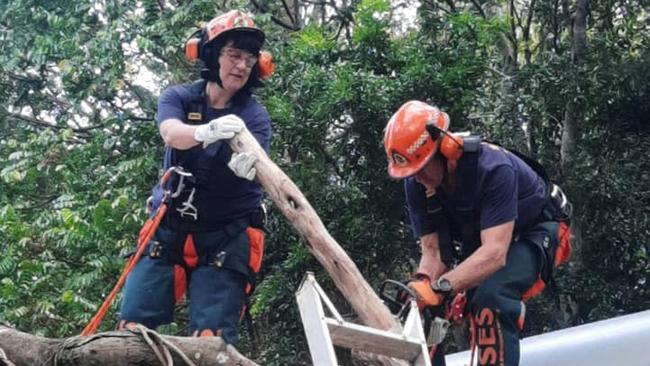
<point>192,49</point>
<point>451,147</point>
<point>266,64</point>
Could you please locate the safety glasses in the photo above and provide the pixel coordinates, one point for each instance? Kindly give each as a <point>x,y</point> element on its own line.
<point>235,55</point>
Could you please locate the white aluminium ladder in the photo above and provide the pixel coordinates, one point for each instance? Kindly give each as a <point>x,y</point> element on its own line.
<point>324,332</point>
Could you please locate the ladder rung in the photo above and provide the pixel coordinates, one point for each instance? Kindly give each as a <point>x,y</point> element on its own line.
<point>362,338</point>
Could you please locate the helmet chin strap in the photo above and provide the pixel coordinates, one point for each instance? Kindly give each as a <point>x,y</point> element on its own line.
<point>211,75</point>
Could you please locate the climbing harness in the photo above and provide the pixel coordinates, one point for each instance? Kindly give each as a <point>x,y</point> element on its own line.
<point>146,233</point>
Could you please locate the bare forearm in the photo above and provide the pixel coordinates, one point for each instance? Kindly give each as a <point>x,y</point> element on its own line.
<point>476,268</point>
<point>178,135</point>
<point>433,267</point>
<point>431,262</point>
<point>486,260</point>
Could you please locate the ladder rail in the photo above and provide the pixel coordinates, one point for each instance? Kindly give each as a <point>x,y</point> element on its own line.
<point>324,332</point>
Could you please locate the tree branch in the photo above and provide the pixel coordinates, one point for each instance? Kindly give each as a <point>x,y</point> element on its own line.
<point>451,4</point>
<point>43,124</point>
<point>513,31</point>
<point>513,12</point>
<point>286,8</point>
<point>135,90</point>
<point>57,101</point>
<point>275,19</point>
<point>293,204</point>
<point>479,8</point>
<point>22,78</point>
<point>526,31</point>
<point>137,345</point>
<point>556,28</point>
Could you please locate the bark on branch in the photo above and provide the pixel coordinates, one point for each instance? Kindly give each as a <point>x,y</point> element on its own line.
<point>293,204</point>
<point>127,348</point>
<point>572,113</point>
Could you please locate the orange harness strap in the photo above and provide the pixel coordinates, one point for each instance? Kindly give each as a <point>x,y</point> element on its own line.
<point>146,233</point>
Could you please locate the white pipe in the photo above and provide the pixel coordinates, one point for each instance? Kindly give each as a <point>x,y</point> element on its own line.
<point>623,341</point>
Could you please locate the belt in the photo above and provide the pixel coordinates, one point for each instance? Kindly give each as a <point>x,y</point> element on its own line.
<point>255,218</point>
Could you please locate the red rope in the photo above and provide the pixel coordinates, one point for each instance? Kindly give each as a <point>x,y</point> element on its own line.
<point>146,233</point>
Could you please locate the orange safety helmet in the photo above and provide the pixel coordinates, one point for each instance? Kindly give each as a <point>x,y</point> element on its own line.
<point>413,135</point>
<point>224,24</point>
<point>232,21</point>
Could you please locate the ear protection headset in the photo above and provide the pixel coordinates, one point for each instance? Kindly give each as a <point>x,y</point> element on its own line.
<point>192,46</point>
<point>197,48</point>
<point>450,146</point>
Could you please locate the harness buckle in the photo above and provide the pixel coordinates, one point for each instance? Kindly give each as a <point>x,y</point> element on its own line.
<point>155,251</point>
<point>561,203</point>
<point>220,260</point>
<point>149,205</point>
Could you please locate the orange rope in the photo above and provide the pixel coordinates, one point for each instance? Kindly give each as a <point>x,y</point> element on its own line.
<point>148,230</point>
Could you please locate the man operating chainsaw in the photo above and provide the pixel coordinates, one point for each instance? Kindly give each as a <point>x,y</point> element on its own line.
<point>490,224</point>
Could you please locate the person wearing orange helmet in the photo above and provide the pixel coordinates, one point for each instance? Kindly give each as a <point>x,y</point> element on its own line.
<point>484,220</point>
<point>210,242</point>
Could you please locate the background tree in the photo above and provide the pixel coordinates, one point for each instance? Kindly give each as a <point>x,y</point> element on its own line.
<point>79,150</point>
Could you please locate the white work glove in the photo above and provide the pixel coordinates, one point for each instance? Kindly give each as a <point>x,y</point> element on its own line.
<point>218,129</point>
<point>243,164</point>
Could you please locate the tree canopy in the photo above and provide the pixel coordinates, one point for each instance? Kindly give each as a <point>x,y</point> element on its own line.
<point>564,81</point>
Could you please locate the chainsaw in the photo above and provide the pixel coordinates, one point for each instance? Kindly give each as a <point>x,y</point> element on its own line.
<point>435,320</point>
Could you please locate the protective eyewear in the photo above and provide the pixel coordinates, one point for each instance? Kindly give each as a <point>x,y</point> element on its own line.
<point>236,56</point>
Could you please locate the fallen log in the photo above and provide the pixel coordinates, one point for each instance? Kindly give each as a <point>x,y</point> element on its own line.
<point>137,347</point>
<point>293,204</point>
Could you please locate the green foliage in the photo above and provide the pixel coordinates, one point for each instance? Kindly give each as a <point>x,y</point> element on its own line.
<point>79,150</point>
<point>371,21</point>
<point>68,212</point>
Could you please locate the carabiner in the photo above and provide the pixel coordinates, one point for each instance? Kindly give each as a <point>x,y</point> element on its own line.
<point>181,182</point>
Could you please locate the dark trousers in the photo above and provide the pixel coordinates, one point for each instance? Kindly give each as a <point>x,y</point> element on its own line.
<point>215,284</point>
<point>496,306</point>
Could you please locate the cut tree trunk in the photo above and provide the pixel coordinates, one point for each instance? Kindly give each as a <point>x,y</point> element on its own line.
<point>124,348</point>
<point>293,204</point>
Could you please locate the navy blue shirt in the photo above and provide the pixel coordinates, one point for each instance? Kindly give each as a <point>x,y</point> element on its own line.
<point>506,189</point>
<point>220,195</point>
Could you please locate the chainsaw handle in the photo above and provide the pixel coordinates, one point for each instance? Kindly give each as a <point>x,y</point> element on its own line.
<point>404,293</point>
